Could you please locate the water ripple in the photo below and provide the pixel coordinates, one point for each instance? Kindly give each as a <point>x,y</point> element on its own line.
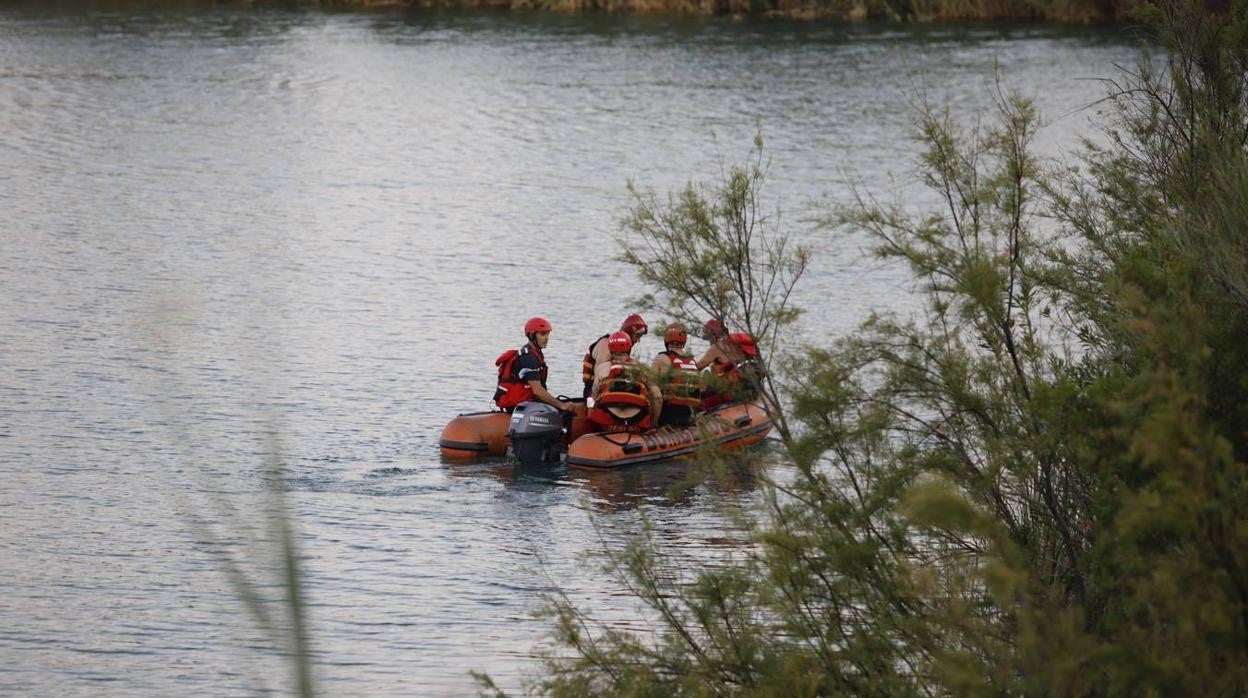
<point>233,234</point>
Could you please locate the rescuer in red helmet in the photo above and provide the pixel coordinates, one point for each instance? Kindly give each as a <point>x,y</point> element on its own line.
<point>623,399</point>
<point>736,369</point>
<point>678,379</point>
<point>721,349</point>
<point>522,372</point>
<point>634,326</point>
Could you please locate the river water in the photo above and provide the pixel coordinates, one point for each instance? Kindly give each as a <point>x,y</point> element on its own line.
<point>234,237</point>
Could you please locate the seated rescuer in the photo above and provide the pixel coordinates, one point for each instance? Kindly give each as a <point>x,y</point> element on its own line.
<point>522,372</point>
<point>598,353</point>
<point>678,376</point>
<point>734,364</point>
<point>623,400</point>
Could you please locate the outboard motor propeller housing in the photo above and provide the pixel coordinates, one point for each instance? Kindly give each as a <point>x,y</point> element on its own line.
<point>536,433</point>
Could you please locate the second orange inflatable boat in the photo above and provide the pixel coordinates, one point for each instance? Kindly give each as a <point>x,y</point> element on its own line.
<point>730,426</point>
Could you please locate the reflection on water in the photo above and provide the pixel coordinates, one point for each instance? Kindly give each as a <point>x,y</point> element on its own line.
<point>221,222</point>
<point>667,484</point>
<point>670,483</point>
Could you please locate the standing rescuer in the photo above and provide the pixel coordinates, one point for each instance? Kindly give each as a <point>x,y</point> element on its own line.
<point>634,326</point>
<point>522,372</point>
<point>678,377</point>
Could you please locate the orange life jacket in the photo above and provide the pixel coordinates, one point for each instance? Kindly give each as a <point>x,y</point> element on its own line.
<point>621,388</point>
<point>742,377</point>
<point>744,345</point>
<point>512,391</point>
<point>684,389</point>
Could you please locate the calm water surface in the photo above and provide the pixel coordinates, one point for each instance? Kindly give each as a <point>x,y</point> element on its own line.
<point>228,235</point>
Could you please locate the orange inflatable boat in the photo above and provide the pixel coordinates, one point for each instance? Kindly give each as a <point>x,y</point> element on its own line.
<point>731,426</point>
<point>535,433</point>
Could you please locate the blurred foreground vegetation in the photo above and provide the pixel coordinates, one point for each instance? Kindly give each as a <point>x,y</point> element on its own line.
<point>1037,486</point>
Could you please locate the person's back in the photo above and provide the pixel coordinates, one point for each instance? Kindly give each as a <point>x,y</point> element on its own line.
<point>748,372</point>
<point>598,352</point>
<point>622,398</point>
<point>736,372</point>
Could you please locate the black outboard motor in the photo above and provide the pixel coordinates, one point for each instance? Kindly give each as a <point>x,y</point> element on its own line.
<point>536,433</point>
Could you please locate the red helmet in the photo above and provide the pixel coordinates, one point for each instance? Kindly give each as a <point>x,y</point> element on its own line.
<point>536,324</point>
<point>634,324</point>
<point>619,343</point>
<point>714,329</point>
<point>675,334</point>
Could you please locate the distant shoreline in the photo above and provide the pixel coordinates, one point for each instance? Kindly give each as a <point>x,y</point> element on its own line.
<point>1103,12</point>
<point>917,11</point>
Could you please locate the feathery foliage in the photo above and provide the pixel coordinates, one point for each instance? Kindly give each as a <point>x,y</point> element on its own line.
<point>1035,487</point>
<point>716,251</point>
